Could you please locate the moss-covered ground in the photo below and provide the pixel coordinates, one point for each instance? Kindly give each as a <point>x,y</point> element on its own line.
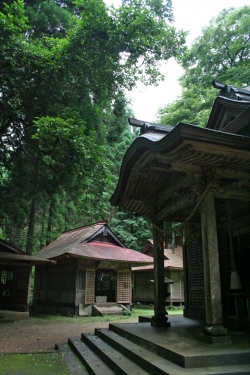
<point>33,364</point>
<point>40,326</point>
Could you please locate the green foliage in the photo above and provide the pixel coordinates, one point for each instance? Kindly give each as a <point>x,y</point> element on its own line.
<point>48,19</point>
<point>145,36</point>
<point>221,53</point>
<point>133,231</point>
<point>13,19</point>
<point>192,107</point>
<point>64,68</point>
<point>126,312</point>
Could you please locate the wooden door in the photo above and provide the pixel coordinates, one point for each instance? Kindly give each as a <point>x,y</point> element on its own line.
<point>124,292</point>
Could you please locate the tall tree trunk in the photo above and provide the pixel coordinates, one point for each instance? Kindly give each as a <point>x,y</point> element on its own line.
<point>30,236</point>
<point>43,231</point>
<point>49,228</point>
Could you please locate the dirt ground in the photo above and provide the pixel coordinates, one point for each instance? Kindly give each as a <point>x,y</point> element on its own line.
<point>38,334</point>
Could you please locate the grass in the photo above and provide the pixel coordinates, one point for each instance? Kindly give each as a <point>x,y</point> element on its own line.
<point>137,311</point>
<point>35,363</point>
<point>149,310</point>
<point>53,363</point>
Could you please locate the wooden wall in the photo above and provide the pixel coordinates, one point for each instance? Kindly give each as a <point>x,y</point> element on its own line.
<point>144,288</point>
<point>17,281</point>
<point>54,287</point>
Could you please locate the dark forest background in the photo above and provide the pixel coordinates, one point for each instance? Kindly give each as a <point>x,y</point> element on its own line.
<point>65,69</point>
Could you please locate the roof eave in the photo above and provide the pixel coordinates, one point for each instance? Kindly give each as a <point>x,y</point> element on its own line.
<point>170,142</point>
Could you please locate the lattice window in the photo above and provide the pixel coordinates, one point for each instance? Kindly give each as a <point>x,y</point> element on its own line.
<point>82,280</point>
<point>196,289</point>
<point>90,287</point>
<point>3,276</point>
<point>123,287</point>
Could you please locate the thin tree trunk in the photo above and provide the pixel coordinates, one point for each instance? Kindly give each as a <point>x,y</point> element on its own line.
<point>49,228</point>
<point>30,236</point>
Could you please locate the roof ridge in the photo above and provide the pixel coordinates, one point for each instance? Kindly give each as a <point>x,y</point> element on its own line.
<point>104,222</point>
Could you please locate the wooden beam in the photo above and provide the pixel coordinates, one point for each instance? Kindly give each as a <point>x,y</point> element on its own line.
<point>186,201</point>
<point>226,193</point>
<point>142,198</point>
<point>15,264</point>
<point>148,204</point>
<point>221,150</point>
<point>154,159</point>
<point>185,167</point>
<point>241,121</point>
<point>167,193</point>
<point>231,174</point>
<point>154,165</point>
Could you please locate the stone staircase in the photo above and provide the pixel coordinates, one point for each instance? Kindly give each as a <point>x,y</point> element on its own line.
<point>108,308</point>
<point>120,351</point>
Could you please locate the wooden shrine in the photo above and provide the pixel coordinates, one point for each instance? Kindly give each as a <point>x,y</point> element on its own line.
<point>199,178</point>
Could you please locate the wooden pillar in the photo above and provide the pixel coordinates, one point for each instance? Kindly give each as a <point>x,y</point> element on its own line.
<point>77,268</point>
<point>160,318</point>
<point>28,289</point>
<point>213,304</point>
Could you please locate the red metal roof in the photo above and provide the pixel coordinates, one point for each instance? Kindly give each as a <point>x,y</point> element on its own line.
<point>81,243</point>
<point>108,251</point>
<point>172,260</point>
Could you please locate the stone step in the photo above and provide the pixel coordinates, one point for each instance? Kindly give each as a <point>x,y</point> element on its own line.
<point>186,361</point>
<point>122,352</point>
<point>107,353</point>
<point>105,309</point>
<point>111,310</point>
<point>147,360</point>
<point>106,304</point>
<point>156,364</point>
<point>94,364</point>
<point>115,359</point>
<point>74,365</point>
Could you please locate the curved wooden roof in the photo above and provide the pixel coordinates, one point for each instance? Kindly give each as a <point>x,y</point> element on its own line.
<point>163,175</point>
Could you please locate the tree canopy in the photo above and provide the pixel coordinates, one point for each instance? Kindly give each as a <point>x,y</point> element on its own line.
<point>221,53</point>
<point>64,69</point>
